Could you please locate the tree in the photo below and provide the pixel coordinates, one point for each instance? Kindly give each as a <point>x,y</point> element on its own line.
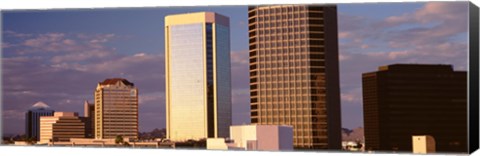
<point>118,139</point>
<point>31,140</point>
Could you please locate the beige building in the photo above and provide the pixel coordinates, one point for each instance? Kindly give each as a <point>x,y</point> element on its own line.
<point>89,119</point>
<point>61,127</point>
<point>294,77</point>
<point>197,65</point>
<point>423,144</point>
<point>116,109</point>
<point>255,137</point>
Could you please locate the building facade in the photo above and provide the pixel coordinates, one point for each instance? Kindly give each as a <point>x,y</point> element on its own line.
<point>116,109</point>
<point>294,77</point>
<point>198,89</point>
<point>403,100</point>
<point>262,137</point>
<point>89,119</point>
<point>32,119</point>
<point>423,144</point>
<point>61,127</point>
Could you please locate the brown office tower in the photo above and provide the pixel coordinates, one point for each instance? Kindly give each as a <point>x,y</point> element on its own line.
<point>116,109</point>
<point>294,77</point>
<point>403,100</point>
<point>89,119</point>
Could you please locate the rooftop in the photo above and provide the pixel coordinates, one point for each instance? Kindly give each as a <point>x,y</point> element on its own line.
<point>113,81</point>
<point>39,106</point>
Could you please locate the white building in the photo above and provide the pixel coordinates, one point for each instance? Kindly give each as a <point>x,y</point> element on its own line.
<point>256,137</point>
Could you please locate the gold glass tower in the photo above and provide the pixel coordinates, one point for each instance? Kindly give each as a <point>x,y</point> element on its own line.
<point>294,77</point>
<point>116,109</point>
<point>198,94</point>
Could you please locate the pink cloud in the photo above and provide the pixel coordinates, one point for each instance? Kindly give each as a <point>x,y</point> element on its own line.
<point>6,45</point>
<point>13,114</point>
<point>240,57</point>
<point>431,12</point>
<point>81,56</point>
<point>344,34</point>
<point>16,34</point>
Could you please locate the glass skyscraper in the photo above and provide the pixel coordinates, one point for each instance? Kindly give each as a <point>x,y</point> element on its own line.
<point>198,89</point>
<point>294,78</point>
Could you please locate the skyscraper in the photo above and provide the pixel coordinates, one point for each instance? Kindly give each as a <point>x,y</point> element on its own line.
<point>116,109</point>
<point>61,127</point>
<point>89,119</point>
<point>405,100</point>
<point>198,89</point>
<point>294,77</point>
<point>32,119</point>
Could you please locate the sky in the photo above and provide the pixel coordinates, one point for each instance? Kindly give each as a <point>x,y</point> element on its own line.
<point>59,56</point>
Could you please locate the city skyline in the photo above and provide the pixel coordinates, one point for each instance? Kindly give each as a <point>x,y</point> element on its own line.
<point>76,55</point>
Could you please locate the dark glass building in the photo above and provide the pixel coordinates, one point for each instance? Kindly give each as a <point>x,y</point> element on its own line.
<point>403,100</point>
<point>294,78</point>
<point>32,119</point>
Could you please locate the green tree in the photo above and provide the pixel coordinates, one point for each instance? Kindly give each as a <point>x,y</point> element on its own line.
<point>118,139</point>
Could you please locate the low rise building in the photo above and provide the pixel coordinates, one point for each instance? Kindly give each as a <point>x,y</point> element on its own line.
<point>256,137</point>
<point>61,127</point>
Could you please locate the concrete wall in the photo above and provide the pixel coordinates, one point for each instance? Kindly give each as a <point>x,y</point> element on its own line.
<point>241,134</point>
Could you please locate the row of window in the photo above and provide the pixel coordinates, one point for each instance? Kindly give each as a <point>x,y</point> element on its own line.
<point>280,89</point>
<point>281,74</point>
<point>278,111</point>
<point>297,98</point>
<point>290,52</point>
<point>292,99</point>
<point>261,11</point>
<point>296,122</point>
<point>292,66</point>
<point>291,23</point>
<point>282,16</point>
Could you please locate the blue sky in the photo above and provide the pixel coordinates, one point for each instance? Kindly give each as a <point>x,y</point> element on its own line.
<point>79,48</point>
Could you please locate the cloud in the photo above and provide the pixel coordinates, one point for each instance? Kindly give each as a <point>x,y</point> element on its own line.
<point>10,33</point>
<point>6,45</point>
<point>63,70</point>
<point>241,106</point>
<point>240,69</point>
<point>148,98</point>
<point>67,75</point>
<point>13,114</point>
<point>350,97</point>
<point>431,12</point>
<point>54,42</point>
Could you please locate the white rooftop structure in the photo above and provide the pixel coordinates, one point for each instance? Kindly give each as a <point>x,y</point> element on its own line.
<point>256,137</point>
<point>39,105</point>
